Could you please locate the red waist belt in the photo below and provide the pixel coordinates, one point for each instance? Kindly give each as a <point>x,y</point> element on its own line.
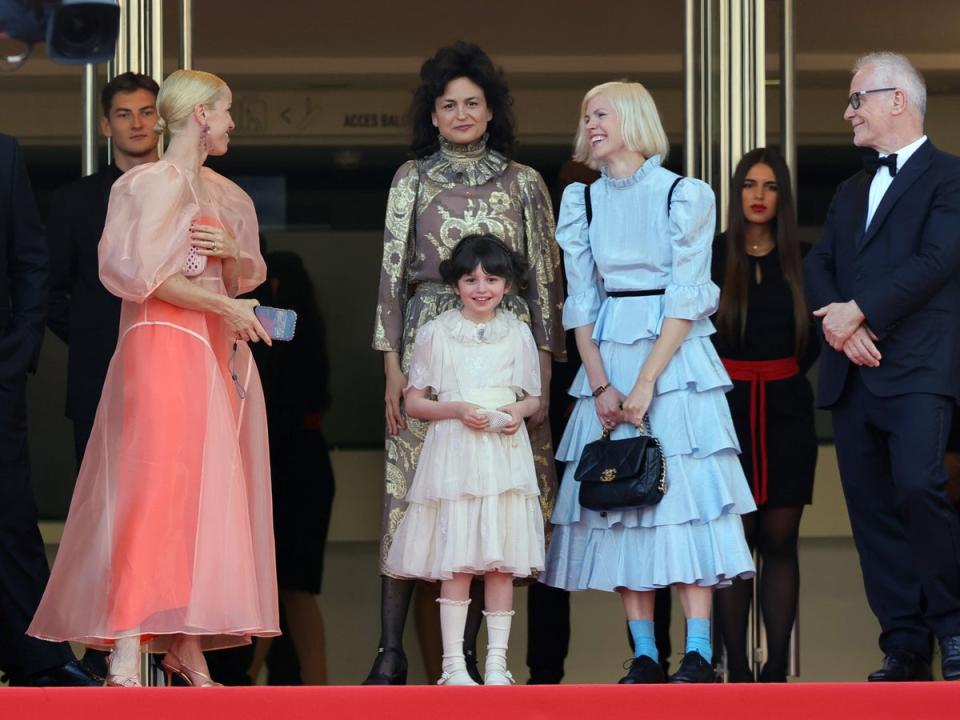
<point>758,373</point>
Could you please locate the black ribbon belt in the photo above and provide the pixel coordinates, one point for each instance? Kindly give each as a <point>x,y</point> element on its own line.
<point>636,293</point>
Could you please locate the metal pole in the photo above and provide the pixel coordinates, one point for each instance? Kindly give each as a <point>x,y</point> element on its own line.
<point>156,40</point>
<point>88,93</point>
<point>759,74</point>
<point>724,120</point>
<point>689,92</point>
<point>186,34</point>
<point>788,148</point>
<point>788,90</point>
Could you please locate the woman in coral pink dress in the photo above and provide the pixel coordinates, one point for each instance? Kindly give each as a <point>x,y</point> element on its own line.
<point>168,546</point>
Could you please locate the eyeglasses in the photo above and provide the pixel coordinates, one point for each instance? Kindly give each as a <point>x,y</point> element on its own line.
<point>854,99</point>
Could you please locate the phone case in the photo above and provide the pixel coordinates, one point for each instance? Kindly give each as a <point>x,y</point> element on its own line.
<point>279,323</point>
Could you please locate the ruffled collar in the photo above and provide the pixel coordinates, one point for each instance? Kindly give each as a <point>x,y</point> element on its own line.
<point>648,166</point>
<point>467,331</point>
<point>471,164</point>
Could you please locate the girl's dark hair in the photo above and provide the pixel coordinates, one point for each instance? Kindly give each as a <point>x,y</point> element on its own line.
<point>493,256</point>
<point>461,60</point>
<point>732,313</point>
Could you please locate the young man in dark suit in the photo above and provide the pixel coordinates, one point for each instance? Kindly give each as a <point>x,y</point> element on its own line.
<point>885,279</point>
<point>82,313</point>
<point>23,561</point>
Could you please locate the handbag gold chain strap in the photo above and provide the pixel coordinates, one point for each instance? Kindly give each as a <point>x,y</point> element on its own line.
<point>644,430</point>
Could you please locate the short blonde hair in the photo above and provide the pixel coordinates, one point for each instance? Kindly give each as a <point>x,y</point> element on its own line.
<point>640,123</point>
<point>181,92</point>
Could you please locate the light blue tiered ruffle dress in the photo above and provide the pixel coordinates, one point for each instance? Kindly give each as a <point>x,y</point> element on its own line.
<point>695,534</point>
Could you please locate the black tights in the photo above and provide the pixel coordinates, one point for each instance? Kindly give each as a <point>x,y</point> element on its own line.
<point>395,598</point>
<point>774,532</point>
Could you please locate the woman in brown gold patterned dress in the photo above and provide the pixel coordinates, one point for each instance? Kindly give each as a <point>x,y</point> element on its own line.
<point>462,182</point>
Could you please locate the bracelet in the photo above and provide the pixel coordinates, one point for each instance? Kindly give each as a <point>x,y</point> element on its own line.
<point>600,390</point>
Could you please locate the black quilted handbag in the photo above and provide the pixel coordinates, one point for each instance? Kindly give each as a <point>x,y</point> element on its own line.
<point>622,474</point>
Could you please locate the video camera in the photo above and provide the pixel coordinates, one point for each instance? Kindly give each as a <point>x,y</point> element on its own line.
<point>76,31</point>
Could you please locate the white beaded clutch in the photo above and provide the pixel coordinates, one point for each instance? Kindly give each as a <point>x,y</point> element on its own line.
<point>497,419</point>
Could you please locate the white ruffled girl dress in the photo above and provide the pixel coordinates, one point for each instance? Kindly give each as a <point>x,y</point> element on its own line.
<point>473,504</point>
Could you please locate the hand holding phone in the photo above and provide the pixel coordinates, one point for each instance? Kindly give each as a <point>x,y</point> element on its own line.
<point>279,323</point>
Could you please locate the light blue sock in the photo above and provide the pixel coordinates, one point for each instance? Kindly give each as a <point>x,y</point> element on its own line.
<point>698,637</point>
<point>643,640</point>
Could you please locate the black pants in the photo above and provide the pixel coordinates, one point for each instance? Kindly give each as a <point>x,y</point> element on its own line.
<point>890,451</point>
<point>548,633</point>
<point>23,562</point>
<point>81,435</point>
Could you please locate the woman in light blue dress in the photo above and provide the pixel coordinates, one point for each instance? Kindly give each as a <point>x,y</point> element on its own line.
<point>637,257</point>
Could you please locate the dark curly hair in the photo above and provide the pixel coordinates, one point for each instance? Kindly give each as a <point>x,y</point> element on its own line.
<point>491,254</point>
<point>461,60</point>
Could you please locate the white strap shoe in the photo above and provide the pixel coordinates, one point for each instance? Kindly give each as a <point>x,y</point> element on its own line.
<point>455,677</point>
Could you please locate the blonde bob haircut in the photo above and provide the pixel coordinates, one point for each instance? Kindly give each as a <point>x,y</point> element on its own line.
<point>640,123</point>
<point>181,92</point>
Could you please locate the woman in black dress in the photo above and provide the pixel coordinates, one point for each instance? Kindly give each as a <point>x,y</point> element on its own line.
<point>765,339</point>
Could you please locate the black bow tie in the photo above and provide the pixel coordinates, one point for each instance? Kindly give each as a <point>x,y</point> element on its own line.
<point>872,163</point>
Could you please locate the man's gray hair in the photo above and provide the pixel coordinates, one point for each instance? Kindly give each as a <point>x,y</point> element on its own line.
<point>893,69</point>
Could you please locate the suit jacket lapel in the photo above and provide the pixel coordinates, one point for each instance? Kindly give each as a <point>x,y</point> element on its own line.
<point>906,176</point>
<point>861,200</point>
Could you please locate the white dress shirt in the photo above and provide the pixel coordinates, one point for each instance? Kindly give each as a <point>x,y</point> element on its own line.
<point>882,177</point>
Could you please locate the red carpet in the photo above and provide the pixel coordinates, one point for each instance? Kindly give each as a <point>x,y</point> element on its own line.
<point>800,701</point>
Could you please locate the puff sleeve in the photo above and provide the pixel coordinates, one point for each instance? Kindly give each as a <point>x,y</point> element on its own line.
<point>399,226</point>
<point>690,293</point>
<point>239,218</point>
<point>426,362</point>
<point>583,282</point>
<point>145,238</point>
<point>526,364</point>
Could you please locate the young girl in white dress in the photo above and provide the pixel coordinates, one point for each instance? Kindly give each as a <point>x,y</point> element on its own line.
<point>473,507</point>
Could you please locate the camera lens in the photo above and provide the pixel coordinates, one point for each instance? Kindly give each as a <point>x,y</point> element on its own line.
<point>80,32</point>
<point>83,32</point>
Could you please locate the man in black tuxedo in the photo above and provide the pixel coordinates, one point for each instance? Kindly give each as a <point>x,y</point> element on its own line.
<point>23,562</point>
<point>82,313</point>
<point>885,278</point>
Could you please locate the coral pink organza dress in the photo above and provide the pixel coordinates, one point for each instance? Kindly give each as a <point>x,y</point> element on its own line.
<point>170,527</point>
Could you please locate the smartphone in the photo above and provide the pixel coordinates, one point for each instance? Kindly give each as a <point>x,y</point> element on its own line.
<point>279,323</point>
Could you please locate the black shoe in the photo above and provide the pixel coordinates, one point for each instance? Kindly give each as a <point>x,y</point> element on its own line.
<point>395,672</point>
<point>470,659</point>
<point>950,657</point>
<point>771,674</point>
<point>904,666</point>
<point>71,674</point>
<point>644,670</point>
<point>741,675</point>
<point>694,669</point>
<point>95,663</point>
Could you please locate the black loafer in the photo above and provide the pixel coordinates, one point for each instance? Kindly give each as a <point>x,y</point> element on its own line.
<point>903,666</point>
<point>71,674</point>
<point>395,672</point>
<point>644,670</point>
<point>694,669</point>
<point>950,657</point>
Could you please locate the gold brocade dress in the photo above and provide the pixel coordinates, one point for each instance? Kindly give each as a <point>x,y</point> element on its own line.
<point>435,202</point>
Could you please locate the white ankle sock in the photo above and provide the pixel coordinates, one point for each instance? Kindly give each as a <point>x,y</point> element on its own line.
<point>498,636</point>
<point>453,618</point>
